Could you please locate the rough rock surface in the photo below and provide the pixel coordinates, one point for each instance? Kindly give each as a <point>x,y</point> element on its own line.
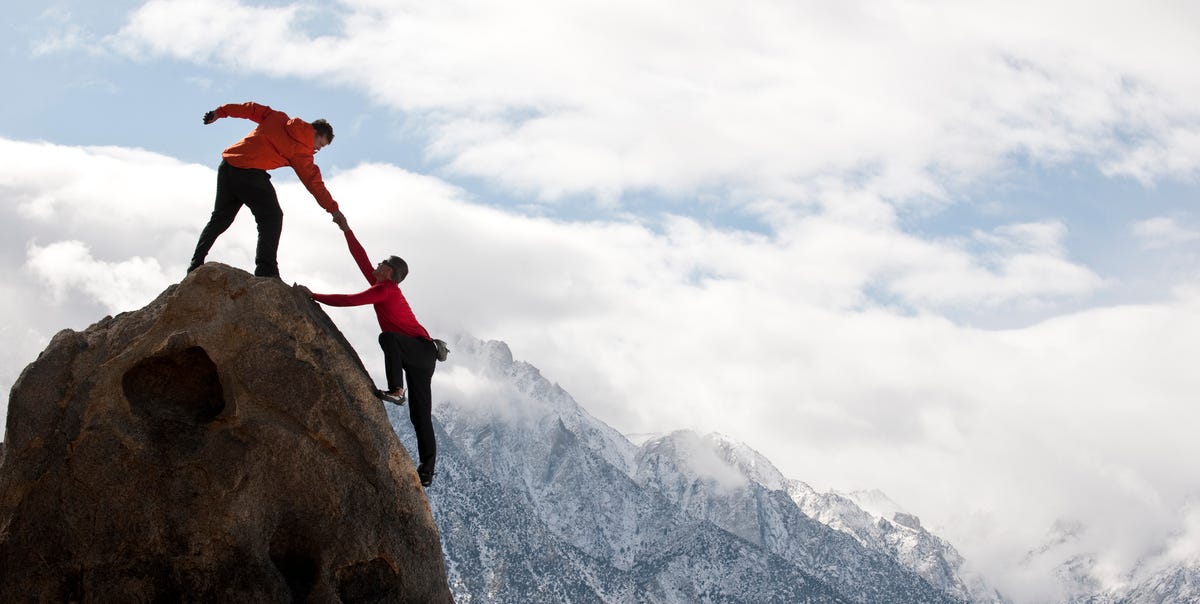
<point>219,445</point>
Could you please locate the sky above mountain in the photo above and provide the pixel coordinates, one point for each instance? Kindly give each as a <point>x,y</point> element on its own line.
<point>943,249</point>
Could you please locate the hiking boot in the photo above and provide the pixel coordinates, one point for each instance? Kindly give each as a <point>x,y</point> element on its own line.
<point>395,399</point>
<point>271,272</point>
<point>425,474</point>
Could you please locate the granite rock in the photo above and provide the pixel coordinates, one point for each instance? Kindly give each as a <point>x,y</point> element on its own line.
<point>220,444</point>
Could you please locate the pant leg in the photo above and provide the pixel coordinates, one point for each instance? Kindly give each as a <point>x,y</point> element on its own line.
<point>414,359</point>
<point>420,412</point>
<point>259,195</point>
<point>393,359</point>
<point>225,209</point>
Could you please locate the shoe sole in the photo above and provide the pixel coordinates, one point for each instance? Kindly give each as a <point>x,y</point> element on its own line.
<point>383,396</point>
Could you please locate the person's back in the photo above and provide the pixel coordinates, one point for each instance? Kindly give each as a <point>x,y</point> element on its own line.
<point>268,145</point>
<point>277,141</point>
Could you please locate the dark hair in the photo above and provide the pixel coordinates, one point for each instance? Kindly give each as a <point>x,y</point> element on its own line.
<point>322,128</point>
<point>399,268</point>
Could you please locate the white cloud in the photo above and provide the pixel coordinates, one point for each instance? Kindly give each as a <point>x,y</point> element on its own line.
<point>1022,264</point>
<point>1165,232</point>
<point>1032,237</point>
<point>190,29</point>
<point>902,98</point>
<point>68,265</point>
<point>1169,152</point>
<point>61,34</point>
<point>85,191</point>
<point>62,40</point>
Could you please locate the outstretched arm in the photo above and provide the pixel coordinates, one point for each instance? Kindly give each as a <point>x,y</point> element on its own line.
<point>310,175</point>
<point>360,256</point>
<point>250,111</point>
<point>370,295</point>
<point>356,249</point>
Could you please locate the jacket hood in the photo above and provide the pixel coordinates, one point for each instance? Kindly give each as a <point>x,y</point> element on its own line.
<point>300,131</point>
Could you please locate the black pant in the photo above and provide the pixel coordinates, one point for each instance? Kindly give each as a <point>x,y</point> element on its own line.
<point>416,357</point>
<point>250,187</point>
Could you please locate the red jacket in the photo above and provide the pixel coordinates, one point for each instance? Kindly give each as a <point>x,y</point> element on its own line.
<point>391,308</point>
<point>277,141</point>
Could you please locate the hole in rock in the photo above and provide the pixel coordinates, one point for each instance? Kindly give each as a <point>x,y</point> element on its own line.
<point>181,386</point>
<point>294,560</point>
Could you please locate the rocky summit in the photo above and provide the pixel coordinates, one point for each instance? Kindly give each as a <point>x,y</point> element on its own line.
<point>221,444</point>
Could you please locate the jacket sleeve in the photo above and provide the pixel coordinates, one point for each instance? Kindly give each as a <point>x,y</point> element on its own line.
<point>360,257</point>
<point>310,175</point>
<point>370,295</point>
<point>249,111</point>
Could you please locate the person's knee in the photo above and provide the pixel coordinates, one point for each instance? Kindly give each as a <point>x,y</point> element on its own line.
<point>219,223</point>
<point>224,213</point>
<point>272,217</point>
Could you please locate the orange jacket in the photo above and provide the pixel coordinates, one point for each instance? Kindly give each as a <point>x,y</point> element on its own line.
<point>277,141</point>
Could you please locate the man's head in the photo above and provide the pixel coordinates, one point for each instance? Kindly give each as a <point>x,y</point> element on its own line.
<point>393,269</point>
<point>322,134</point>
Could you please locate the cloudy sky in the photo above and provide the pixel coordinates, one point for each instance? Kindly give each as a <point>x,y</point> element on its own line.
<point>943,249</point>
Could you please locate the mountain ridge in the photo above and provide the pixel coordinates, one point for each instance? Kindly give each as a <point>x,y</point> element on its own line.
<point>523,433</point>
<point>625,519</point>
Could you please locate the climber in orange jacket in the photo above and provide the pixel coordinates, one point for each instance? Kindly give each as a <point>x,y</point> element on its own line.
<point>242,178</point>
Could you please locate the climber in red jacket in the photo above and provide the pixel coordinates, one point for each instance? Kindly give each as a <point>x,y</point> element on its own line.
<point>407,348</point>
<point>242,177</point>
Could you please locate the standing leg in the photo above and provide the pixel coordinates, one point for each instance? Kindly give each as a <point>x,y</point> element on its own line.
<point>420,360</point>
<point>414,358</point>
<point>420,411</point>
<point>393,360</point>
<point>225,209</point>
<point>260,197</point>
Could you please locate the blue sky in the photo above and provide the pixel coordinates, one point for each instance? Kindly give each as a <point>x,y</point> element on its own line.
<point>896,237</point>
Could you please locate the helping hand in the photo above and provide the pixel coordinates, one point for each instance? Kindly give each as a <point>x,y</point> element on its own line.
<point>340,220</point>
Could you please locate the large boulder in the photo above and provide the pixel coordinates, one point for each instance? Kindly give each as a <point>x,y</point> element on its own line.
<point>221,444</point>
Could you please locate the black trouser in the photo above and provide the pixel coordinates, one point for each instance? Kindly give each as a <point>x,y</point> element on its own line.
<point>416,357</point>
<point>250,187</point>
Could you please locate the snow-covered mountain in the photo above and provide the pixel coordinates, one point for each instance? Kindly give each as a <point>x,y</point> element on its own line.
<point>882,525</point>
<point>538,501</point>
<point>1083,576</point>
<point>1178,584</point>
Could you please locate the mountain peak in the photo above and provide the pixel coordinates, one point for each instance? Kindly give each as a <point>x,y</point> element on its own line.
<point>694,455</point>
